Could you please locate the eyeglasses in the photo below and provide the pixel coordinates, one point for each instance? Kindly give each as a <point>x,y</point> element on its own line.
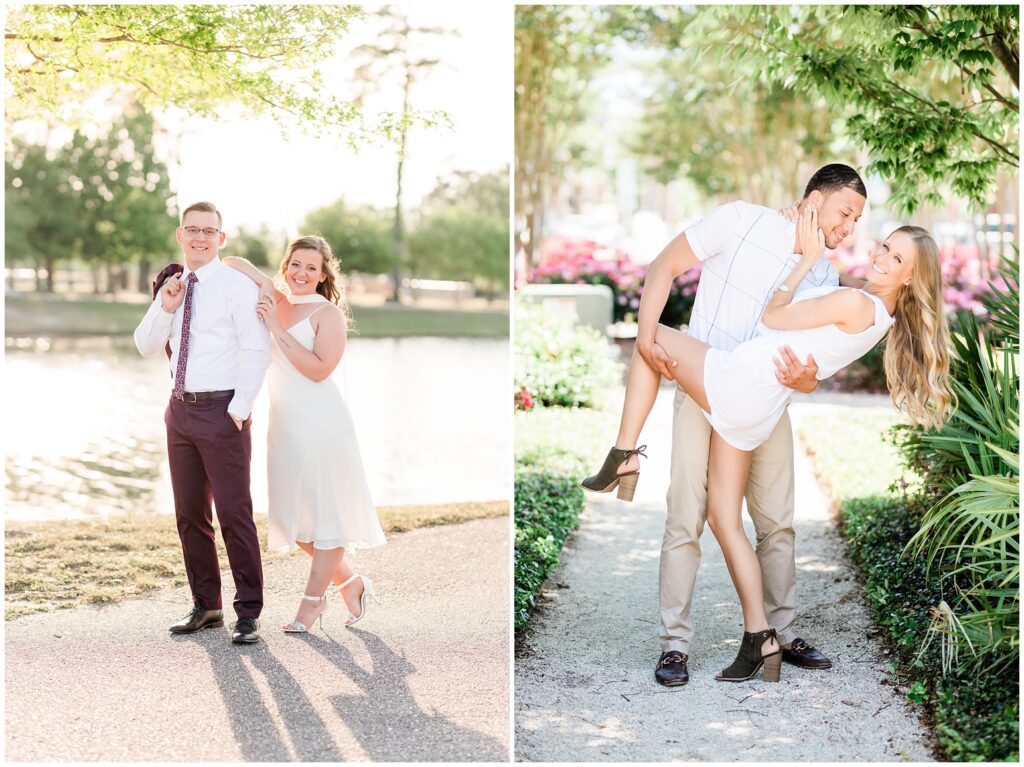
<point>194,231</point>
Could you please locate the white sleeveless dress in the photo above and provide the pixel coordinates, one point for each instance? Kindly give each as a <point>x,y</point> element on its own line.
<point>316,484</point>
<point>746,399</point>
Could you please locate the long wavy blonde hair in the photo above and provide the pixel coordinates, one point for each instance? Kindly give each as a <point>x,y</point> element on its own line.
<point>331,287</point>
<point>917,349</point>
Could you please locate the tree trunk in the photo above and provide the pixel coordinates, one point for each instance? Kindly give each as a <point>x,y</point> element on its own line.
<point>396,274</point>
<point>144,280</point>
<point>50,267</point>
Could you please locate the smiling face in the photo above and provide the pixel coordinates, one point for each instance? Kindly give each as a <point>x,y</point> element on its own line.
<point>892,261</point>
<point>199,249</point>
<point>303,271</point>
<point>838,213</point>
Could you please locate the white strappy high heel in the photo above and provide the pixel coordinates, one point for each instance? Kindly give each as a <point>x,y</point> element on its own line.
<point>295,627</point>
<point>367,592</point>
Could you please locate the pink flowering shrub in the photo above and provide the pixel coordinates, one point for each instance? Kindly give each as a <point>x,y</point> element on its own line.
<point>565,261</point>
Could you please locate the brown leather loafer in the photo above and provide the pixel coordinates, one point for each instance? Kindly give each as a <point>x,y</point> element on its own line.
<point>199,618</point>
<point>671,670</point>
<point>803,655</point>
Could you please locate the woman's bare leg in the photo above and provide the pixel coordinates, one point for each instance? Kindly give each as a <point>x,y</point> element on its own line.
<point>727,477</point>
<point>340,574</point>
<point>642,386</point>
<point>322,568</point>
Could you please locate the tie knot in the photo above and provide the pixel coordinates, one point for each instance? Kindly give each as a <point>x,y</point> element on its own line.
<point>192,279</point>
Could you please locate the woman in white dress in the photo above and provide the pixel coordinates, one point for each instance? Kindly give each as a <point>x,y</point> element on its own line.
<point>743,400</point>
<point>319,499</point>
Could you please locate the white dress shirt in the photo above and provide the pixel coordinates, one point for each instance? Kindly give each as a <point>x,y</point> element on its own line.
<point>746,252</point>
<point>229,347</point>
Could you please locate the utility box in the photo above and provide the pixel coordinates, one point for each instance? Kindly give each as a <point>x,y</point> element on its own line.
<point>587,304</point>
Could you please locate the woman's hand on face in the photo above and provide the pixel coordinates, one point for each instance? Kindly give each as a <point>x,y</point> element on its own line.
<point>791,213</point>
<point>812,239</point>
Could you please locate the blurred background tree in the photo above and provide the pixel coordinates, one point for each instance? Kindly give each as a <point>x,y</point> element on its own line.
<point>931,93</point>
<point>462,232</point>
<point>360,236</point>
<point>398,51</point>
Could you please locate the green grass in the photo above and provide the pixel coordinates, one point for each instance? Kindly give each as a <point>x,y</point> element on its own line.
<point>852,455</point>
<point>63,564</point>
<point>40,314</point>
<point>976,717</point>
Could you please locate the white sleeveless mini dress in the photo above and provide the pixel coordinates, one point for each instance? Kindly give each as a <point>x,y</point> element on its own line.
<point>745,398</point>
<point>316,484</point>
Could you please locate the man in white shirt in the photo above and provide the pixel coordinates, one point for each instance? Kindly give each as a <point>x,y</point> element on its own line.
<point>745,252</point>
<point>220,352</point>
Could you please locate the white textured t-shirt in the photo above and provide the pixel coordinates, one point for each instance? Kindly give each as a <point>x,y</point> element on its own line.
<point>746,252</point>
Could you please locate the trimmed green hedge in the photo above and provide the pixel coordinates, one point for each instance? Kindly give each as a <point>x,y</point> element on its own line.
<point>555,448</point>
<point>976,715</point>
<point>546,509</point>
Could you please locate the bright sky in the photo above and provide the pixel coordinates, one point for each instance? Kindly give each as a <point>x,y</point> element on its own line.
<point>257,176</point>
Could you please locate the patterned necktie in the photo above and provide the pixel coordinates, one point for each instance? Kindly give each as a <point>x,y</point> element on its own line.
<point>186,321</point>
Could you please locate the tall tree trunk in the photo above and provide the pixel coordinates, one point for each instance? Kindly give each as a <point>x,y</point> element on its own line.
<point>144,279</point>
<point>50,267</point>
<point>396,274</point>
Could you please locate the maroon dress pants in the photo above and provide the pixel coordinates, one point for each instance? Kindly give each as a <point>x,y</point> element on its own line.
<point>209,460</point>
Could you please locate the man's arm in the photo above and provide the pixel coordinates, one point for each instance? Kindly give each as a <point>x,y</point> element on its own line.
<point>155,329</point>
<point>675,259</point>
<point>254,343</point>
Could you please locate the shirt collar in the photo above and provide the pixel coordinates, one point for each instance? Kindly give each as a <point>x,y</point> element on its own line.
<point>204,272</point>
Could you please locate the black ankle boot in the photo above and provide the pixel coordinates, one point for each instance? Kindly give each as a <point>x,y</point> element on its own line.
<point>608,478</point>
<point>749,659</point>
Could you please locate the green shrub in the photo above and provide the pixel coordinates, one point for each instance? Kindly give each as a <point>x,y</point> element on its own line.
<point>976,715</point>
<point>546,509</point>
<point>976,711</point>
<point>561,362</point>
<point>970,536</point>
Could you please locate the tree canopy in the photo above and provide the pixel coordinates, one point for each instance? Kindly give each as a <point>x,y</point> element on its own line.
<point>267,58</point>
<point>931,93</point>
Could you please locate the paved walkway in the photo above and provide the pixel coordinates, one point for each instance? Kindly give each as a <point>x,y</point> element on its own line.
<point>585,688</point>
<point>424,677</point>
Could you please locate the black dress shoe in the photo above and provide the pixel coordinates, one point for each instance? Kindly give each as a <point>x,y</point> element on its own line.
<point>803,655</point>
<point>245,631</point>
<point>671,670</point>
<point>199,618</point>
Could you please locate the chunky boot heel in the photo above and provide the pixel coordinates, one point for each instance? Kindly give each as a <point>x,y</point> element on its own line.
<point>608,478</point>
<point>627,486</point>
<point>749,659</point>
<point>773,667</point>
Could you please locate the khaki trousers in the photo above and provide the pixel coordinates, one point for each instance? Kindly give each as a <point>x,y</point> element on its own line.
<point>769,496</point>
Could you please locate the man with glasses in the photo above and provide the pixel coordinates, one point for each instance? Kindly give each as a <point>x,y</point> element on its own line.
<point>220,352</point>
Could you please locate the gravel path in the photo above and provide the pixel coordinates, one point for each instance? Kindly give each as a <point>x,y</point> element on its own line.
<point>585,688</point>
<point>424,677</point>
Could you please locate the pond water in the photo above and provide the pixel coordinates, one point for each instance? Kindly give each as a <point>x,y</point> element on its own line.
<point>83,424</point>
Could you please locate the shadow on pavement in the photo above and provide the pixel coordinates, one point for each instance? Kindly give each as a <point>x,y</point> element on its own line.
<point>389,724</point>
<point>251,721</point>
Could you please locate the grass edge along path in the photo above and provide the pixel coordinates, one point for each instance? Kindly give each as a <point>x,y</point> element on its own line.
<point>974,719</point>
<point>37,314</point>
<point>555,448</point>
<point>62,564</point>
